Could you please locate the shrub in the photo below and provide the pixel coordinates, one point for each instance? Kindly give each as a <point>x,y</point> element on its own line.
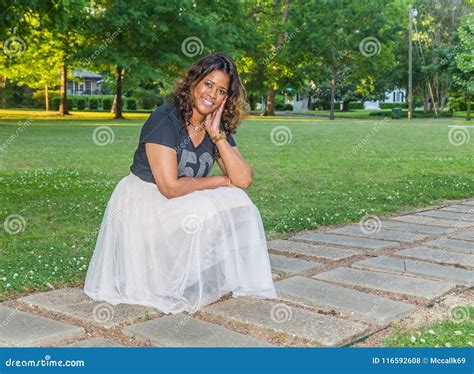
<point>288,107</point>
<point>93,103</point>
<point>81,103</point>
<point>55,102</point>
<point>147,99</point>
<point>107,103</point>
<point>323,105</point>
<point>355,105</point>
<point>131,104</point>
<point>393,105</point>
<point>457,104</point>
<point>38,98</point>
<point>416,114</point>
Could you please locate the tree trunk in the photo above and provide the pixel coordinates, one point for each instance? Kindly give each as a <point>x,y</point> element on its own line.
<point>63,109</point>
<point>46,98</point>
<point>117,106</point>
<point>468,113</point>
<point>309,100</point>
<point>333,92</point>
<point>252,102</point>
<point>270,106</point>
<point>345,106</point>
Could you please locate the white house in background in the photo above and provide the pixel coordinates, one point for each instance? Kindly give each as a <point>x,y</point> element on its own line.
<point>85,82</point>
<point>395,96</point>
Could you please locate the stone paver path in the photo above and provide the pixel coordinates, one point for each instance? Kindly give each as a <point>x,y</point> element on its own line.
<point>336,286</point>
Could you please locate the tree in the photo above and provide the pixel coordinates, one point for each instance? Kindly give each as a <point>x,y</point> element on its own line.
<point>354,37</point>
<point>38,66</point>
<point>465,62</point>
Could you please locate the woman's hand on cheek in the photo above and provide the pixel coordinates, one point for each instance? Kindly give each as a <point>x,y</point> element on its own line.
<point>213,120</point>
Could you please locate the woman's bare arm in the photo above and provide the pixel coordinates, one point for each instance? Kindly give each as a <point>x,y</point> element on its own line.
<point>233,165</point>
<point>164,168</point>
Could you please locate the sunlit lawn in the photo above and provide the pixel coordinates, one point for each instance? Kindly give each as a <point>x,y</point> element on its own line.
<point>58,180</point>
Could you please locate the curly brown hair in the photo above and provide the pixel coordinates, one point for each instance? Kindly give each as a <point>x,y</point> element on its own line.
<point>235,106</point>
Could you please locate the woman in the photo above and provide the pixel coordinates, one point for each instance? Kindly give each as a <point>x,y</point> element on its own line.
<point>172,236</point>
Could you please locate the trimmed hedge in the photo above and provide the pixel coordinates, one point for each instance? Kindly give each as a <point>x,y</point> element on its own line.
<point>355,105</point>
<point>131,104</point>
<point>81,103</point>
<point>93,103</point>
<point>55,102</point>
<point>393,105</point>
<point>107,103</point>
<point>416,114</point>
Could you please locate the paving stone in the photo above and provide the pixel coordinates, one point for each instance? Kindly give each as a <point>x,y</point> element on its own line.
<point>433,271</point>
<point>327,296</point>
<point>459,208</point>
<point>291,265</point>
<point>414,228</point>
<point>439,255</point>
<point>20,329</point>
<point>425,220</point>
<point>95,342</point>
<point>452,244</point>
<point>73,302</point>
<point>180,330</point>
<point>320,329</point>
<point>422,288</point>
<point>347,240</point>
<point>466,235</point>
<point>381,234</point>
<point>325,252</point>
<point>468,202</point>
<point>448,215</point>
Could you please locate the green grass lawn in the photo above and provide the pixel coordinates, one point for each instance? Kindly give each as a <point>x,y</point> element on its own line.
<point>457,331</point>
<point>59,180</point>
<point>360,113</point>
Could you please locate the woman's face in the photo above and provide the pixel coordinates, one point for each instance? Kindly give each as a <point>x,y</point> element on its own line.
<point>210,92</point>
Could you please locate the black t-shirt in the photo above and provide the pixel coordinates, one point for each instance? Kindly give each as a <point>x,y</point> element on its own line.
<point>165,126</point>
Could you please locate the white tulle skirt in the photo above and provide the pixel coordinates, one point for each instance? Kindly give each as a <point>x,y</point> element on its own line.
<point>178,254</point>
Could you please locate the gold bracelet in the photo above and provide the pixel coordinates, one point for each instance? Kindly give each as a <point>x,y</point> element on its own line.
<point>221,136</point>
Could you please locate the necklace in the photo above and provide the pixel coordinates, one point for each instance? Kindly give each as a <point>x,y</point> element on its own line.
<point>197,128</point>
